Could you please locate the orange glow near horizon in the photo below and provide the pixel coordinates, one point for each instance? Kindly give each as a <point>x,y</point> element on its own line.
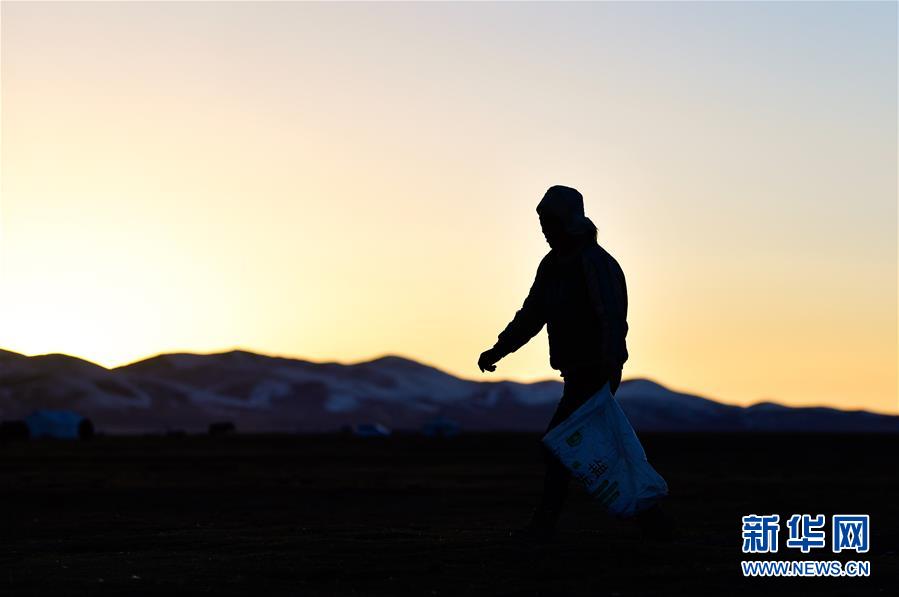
<point>343,181</point>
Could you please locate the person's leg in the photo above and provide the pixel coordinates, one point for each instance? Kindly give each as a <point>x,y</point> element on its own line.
<point>556,478</point>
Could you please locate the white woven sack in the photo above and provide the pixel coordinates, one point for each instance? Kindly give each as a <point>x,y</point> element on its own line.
<point>599,446</point>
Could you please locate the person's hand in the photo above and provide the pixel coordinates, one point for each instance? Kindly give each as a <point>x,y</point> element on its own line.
<point>487,360</point>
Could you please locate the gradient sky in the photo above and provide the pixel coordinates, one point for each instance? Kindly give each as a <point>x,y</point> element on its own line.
<point>340,181</point>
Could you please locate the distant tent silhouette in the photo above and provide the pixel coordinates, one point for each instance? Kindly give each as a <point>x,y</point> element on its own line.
<point>441,427</point>
<point>222,428</point>
<point>59,424</point>
<point>372,430</point>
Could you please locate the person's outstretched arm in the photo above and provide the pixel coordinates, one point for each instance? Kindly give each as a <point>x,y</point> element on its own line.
<point>528,320</point>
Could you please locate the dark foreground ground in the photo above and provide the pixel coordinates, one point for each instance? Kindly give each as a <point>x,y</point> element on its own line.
<point>331,515</point>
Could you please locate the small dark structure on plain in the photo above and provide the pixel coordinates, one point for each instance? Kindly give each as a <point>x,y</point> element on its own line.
<point>441,427</point>
<point>59,424</point>
<point>372,430</point>
<point>222,428</point>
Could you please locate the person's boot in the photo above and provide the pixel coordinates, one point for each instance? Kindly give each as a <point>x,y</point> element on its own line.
<point>655,524</point>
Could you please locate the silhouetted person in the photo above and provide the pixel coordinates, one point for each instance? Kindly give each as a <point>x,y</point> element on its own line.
<point>580,294</point>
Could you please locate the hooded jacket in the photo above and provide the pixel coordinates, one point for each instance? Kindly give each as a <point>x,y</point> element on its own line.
<point>583,302</point>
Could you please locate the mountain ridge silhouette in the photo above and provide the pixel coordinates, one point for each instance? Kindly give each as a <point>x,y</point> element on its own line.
<point>260,392</point>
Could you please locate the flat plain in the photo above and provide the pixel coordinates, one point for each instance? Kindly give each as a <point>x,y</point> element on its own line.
<point>410,515</point>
